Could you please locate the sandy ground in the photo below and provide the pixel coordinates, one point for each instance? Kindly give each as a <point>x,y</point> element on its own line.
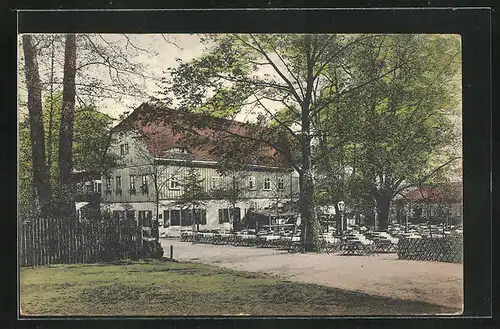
<point>382,274</point>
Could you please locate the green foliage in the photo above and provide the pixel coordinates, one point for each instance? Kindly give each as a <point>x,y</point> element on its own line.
<point>377,104</point>
<point>90,143</point>
<point>193,191</point>
<point>25,194</point>
<point>397,130</point>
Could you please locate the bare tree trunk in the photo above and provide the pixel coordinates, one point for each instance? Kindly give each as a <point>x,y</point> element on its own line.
<point>67,118</point>
<point>33,84</point>
<point>309,234</point>
<point>51,111</point>
<point>310,229</point>
<point>383,205</point>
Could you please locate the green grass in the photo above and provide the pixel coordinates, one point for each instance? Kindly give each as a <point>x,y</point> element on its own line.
<point>169,288</point>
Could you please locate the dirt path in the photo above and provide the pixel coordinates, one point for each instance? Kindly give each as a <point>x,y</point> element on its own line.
<point>383,274</point>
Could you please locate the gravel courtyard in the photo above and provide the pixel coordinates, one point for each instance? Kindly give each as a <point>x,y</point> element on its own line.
<point>382,274</point>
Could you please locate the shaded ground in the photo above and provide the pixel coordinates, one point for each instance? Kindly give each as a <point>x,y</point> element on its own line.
<point>382,274</point>
<point>135,289</point>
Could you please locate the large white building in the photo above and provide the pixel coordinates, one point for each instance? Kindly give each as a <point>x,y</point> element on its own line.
<point>151,160</point>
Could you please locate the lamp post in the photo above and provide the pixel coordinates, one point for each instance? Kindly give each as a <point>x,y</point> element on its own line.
<point>341,206</point>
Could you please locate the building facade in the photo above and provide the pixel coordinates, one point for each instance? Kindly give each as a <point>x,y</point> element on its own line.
<point>149,182</point>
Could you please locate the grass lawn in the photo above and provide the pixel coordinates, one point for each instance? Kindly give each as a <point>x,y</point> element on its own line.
<point>168,288</point>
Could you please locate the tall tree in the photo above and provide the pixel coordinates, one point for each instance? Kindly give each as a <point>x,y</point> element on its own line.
<point>67,116</point>
<point>193,195</point>
<point>90,145</point>
<point>405,127</point>
<point>241,74</point>
<point>39,165</point>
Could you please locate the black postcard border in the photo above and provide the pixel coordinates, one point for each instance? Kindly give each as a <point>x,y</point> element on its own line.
<point>473,24</point>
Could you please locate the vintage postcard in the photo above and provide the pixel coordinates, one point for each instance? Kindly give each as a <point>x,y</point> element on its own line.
<point>240,174</point>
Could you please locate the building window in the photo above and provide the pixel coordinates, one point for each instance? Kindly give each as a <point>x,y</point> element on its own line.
<point>251,183</point>
<point>200,216</point>
<point>267,183</point>
<point>184,217</point>
<point>228,215</point>
<point>97,187</point>
<point>118,182</point>
<point>281,184</point>
<point>130,214</point>
<point>132,184</point>
<point>108,185</point>
<point>144,186</point>
<point>118,215</point>
<point>175,217</point>
<point>215,182</point>
<point>123,149</point>
<point>145,217</point>
<point>174,183</point>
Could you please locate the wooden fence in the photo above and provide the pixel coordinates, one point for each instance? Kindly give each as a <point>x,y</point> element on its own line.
<point>45,241</point>
<point>449,249</point>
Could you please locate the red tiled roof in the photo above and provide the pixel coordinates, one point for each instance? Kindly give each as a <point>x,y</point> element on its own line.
<point>159,136</point>
<point>452,193</point>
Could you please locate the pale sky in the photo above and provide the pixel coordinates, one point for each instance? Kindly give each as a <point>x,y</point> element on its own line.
<point>162,55</point>
<point>186,47</point>
<point>162,52</point>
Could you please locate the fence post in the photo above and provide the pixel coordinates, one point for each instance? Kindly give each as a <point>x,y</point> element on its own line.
<point>171,252</point>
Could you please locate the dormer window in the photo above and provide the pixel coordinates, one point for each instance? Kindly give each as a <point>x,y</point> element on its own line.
<point>175,184</point>
<point>177,150</point>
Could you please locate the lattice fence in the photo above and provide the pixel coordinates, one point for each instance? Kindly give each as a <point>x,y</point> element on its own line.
<point>45,241</point>
<point>449,249</point>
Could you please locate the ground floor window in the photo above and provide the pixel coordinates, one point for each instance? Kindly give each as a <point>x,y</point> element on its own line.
<point>130,214</point>
<point>228,214</point>
<point>145,217</point>
<point>176,217</point>
<point>200,216</point>
<point>118,215</point>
